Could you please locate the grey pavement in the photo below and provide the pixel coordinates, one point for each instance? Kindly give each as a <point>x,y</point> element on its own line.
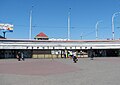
<point>100,71</point>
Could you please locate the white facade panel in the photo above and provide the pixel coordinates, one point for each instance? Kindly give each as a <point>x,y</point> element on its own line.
<point>40,48</point>
<point>46,47</point>
<point>21,44</point>
<point>68,47</point>
<point>51,47</point>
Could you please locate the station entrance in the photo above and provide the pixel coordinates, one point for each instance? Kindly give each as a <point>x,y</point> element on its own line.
<point>61,53</point>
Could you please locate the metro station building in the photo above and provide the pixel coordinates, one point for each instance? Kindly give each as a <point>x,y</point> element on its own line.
<point>42,47</point>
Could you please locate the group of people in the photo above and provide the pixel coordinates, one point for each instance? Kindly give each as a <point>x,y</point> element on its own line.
<point>20,56</point>
<point>70,54</point>
<point>73,55</point>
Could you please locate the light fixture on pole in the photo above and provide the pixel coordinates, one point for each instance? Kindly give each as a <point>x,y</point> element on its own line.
<point>81,36</point>
<point>113,16</point>
<point>96,27</point>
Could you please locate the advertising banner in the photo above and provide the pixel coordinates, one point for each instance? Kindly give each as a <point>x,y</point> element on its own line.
<point>7,27</point>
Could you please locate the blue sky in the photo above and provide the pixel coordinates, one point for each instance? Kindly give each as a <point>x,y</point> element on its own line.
<point>50,17</point>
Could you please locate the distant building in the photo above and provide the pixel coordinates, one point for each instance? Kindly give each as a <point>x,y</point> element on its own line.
<point>58,48</point>
<point>41,36</point>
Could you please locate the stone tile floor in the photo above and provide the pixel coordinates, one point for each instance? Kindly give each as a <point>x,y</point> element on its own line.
<point>100,71</point>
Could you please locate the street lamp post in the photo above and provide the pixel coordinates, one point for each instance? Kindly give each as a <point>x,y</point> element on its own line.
<point>96,26</point>
<point>69,24</point>
<point>30,30</point>
<point>113,33</point>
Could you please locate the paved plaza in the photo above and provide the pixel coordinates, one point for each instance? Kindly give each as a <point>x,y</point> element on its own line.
<point>100,71</point>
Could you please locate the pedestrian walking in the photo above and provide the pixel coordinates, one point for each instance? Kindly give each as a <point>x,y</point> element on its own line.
<point>64,54</point>
<point>92,55</point>
<point>75,57</point>
<point>71,54</point>
<point>22,56</point>
<point>19,56</point>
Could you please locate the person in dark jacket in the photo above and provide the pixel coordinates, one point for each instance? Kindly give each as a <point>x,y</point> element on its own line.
<point>19,56</point>
<point>75,57</point>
